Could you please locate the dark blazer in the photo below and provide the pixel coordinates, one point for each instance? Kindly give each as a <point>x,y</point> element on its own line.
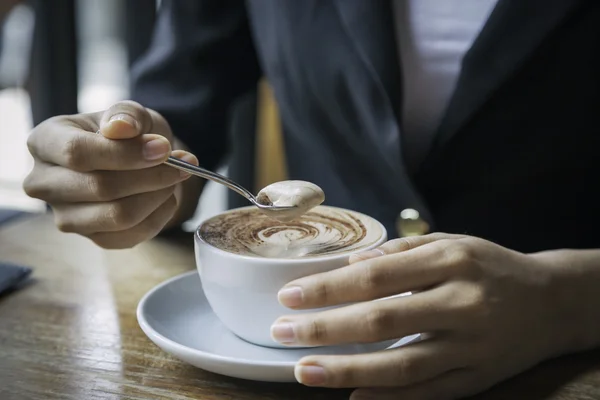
<point>516,157</point>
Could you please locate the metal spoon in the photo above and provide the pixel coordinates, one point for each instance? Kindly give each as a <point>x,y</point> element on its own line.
<point>213,176</point>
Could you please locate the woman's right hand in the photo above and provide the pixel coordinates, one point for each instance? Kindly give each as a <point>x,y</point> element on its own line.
<point>109,187</point>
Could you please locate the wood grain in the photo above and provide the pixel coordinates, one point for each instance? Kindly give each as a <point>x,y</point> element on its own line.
<point>71,333</point>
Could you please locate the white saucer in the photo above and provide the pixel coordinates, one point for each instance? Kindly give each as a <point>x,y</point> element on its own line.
<point>176,316</point>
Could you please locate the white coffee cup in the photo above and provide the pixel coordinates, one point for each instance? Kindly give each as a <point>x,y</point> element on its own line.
<point>242,289</point>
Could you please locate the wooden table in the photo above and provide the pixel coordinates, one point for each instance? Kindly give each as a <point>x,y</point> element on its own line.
<point>71,333</point>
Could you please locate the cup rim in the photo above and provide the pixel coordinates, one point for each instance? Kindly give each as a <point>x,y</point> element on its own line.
<point>290,261</point>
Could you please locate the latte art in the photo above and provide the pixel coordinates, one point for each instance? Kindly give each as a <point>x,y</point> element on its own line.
<point>322,231</point>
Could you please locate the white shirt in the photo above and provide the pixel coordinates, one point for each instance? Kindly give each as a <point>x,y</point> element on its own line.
<point>433,36</point>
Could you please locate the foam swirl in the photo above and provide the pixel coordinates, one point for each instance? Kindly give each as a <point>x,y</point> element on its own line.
<point>324,230</point>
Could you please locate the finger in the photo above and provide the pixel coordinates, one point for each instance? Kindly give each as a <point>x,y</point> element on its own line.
<point>146,230</point>
<point>389,368</point>
<point>400,245</point>
<point>67,140</point>
<point>118,215</point>
<point>450,386</point>
<point>83,151</point>
<point>372,321</point>
<point>161,126</point>
<point>125,120</point>
<point>56,184</point>
<point>375,278</point>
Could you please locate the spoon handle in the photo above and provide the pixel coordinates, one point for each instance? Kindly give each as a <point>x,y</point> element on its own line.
<point>213,176</point>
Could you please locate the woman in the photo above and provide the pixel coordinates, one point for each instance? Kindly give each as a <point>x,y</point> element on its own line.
<point>480,116</point>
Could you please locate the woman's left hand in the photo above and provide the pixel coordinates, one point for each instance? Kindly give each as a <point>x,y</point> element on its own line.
<point>487,311</point>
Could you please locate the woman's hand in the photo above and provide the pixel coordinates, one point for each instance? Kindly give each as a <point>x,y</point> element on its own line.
<point>488,313</point>
<point>110,187</point>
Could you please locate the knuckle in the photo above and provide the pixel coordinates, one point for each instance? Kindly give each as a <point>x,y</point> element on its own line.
<point>32,142</point>
<point>436,236</point>
<point>470,301</point>
<point>160,124</point>
<point>345,376</point>
<point>117,215</point>
<point>374,277</point>
<point>101,186</point>
<point>320,293</point>
<point>378,321</point>
<point>476,302</point>
<point>114,152</point>
<point>398,245</point>
<point>316,332</point>
<point>37,133</point>
<point>76,153</point>
<point>35,140</point>
<point>458,254</point>
<point>64,225</point>
<point>33,188</point>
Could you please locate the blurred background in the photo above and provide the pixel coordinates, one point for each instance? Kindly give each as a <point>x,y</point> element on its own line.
<point>68,56</point>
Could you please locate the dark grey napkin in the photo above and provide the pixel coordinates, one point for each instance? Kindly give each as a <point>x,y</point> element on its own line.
<point>7,215</point>
<point>11,276</point>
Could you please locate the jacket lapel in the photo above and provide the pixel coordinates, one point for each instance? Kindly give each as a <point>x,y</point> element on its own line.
<point>370,25</point>
<point>513,32</point>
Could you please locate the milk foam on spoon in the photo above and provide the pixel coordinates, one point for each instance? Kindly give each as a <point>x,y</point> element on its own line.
<point>301,195</point>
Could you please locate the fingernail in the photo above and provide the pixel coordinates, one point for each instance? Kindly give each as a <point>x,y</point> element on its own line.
<point>189,159</point>
<point>311,375</point>
<point>367,254</point>
<point>155,149</point>
<point>291,296</point>
<point>283,333</point>
<point>124,118</point>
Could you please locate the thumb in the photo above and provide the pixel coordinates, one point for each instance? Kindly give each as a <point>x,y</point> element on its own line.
<point>125,120</point>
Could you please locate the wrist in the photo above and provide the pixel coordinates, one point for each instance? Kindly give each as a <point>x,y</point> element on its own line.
<point>573,302</point>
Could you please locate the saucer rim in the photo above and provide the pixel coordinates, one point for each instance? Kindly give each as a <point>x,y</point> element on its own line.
<point>164,342</point>
<point>150,331</point>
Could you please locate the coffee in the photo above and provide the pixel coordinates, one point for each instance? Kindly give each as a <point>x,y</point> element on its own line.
<point>322,231</point>
<point>241,285</point>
